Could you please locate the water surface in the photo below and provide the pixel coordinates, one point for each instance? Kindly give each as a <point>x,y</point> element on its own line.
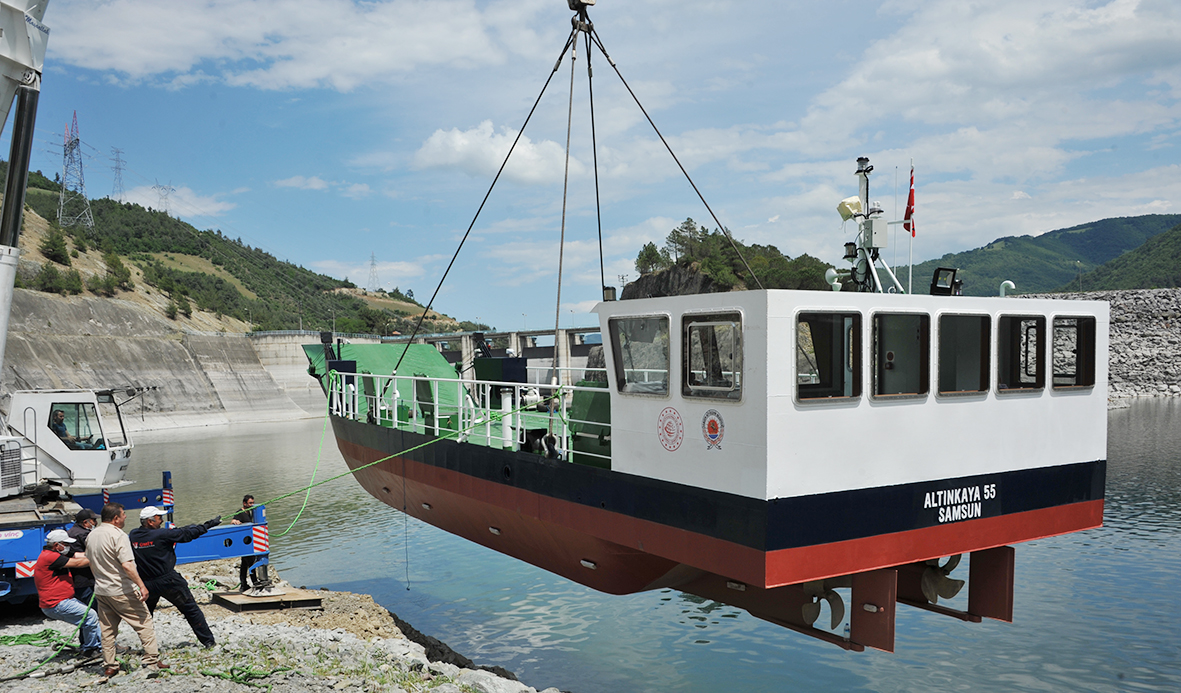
<point>1094,610</point>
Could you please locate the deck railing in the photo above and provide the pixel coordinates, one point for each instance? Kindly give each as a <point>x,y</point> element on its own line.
<point>498,414</point>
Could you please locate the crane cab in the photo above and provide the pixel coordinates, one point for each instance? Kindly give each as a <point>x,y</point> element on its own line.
<point>67,439</point>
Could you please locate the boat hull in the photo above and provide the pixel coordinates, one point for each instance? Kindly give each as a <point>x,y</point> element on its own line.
<point>620,533</point>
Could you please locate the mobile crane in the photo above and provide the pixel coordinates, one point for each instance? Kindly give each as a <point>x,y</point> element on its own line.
<point>55,443</point>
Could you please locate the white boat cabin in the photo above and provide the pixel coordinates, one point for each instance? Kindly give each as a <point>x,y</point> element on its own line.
<point>778,394</point>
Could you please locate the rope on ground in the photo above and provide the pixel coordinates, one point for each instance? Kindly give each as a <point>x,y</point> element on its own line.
<point>246,675</point>
<point>43,638</point>
<point>48,637</point>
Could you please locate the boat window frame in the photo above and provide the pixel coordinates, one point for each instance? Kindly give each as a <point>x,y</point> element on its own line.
<point>855,351</point>
<point>719,318</point>
<point>924,368</point>
<point>1003,355</point>
<point>1084,354</point>
<point>621,381</point>
<point>986,353</point>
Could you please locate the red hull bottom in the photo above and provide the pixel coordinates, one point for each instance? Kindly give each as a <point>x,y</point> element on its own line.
<point>558,537</point>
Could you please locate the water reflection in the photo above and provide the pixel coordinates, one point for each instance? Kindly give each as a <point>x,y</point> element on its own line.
<point>1093,609</point>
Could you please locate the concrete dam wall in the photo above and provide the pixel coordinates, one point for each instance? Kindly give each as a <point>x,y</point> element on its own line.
<point>86,342</point>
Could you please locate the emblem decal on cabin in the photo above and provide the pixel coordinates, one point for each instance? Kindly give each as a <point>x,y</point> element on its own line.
<point>670,428</point>
<point>713,428</point>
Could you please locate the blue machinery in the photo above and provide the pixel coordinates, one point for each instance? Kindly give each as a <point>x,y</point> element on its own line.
<point>21,545</point>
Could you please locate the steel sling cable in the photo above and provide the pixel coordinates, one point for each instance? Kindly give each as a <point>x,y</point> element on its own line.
<point>595,157</point>
<point>570,40</point>
<point>557,377</point>
<point>598,42</point>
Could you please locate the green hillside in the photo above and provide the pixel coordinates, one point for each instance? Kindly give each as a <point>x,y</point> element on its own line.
<point>1154,265</point>
<point>209,271</point>
<point>1049,261</point>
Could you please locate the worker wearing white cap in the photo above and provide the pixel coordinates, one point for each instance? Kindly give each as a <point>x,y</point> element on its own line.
<point>155,555</point>
<point>55,589</point>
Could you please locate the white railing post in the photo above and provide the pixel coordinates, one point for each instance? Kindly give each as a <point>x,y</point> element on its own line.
<point>506,421</point>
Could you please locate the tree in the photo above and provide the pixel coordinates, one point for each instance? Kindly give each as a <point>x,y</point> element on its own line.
<point>182,304</point>
<point>118,271</point>
<point>170,311</point>
<point>682,240</point>
<point>649,259</point>
<point>53,247</point>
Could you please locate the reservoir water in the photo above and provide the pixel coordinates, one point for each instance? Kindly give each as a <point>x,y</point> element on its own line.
<point>1095,611</point>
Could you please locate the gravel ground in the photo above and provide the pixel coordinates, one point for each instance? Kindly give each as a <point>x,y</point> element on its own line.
<point>353,644</point>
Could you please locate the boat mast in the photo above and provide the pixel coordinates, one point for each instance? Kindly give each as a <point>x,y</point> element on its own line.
<point>870,272</point>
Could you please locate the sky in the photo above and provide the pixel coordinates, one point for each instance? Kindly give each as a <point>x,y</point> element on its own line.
<point>334,133</point>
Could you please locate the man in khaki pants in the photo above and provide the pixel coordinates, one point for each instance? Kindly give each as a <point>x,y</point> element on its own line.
<point>119,591</point>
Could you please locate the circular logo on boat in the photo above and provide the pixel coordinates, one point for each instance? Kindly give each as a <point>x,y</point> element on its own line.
<point>670,428</point>
<point>713,428</point>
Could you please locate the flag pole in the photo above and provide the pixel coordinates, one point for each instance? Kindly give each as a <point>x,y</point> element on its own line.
<point>910,270</point>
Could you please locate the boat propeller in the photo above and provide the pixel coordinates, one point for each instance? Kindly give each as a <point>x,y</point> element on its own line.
<point>935,582</point>
<point>822,591</point>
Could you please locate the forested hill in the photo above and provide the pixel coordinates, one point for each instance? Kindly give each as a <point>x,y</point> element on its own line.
<point>1052,260</point>
<point>206,271</point>
<point>1154,265</point>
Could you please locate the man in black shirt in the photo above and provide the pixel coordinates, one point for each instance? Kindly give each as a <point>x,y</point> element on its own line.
<point>155,556</point>
<point>245,573</point>
<point>84,521</point>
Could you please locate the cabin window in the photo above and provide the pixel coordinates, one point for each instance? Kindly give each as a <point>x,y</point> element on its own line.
<point>828,355</point>
<point>1021,352</point>
<point>713,356</point>
<point>1074,352</point>
<point>76,424</point>
<point>640,347</point>
<point>963,353</point>
<point>901,354</point>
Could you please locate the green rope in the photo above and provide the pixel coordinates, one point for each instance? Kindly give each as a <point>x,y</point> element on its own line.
<point>449,435</point>
<point>210,586</point>
<point>245,675</point>
<point>48,637</point>
<point>45,638</point>
<point>319,456</point>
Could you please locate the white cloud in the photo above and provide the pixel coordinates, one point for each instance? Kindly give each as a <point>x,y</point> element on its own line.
<point>480,152</point>
<point>389,274</point>
<point>356,190</point>
<point>180,202</point>
<point>283,44</point>
<point>302,183</point>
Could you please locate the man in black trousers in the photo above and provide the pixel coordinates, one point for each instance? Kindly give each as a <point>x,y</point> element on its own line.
<point>155,556</point>
<point>246,572</point>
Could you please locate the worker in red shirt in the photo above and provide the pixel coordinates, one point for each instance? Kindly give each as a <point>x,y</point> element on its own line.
<point>55,589</point>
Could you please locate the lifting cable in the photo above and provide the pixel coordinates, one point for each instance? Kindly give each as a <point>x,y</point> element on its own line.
<point>595,35</point>
<point>557,377</point>
<point>418,325</point>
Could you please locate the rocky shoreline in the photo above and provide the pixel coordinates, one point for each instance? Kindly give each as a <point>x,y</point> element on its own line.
<point>1145,340</point>
<point>352,644</point>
